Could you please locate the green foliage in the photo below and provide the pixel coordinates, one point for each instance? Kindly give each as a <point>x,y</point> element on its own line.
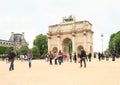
<point>5,49</point>
<point>70,47</point>
<point>41,42</point>
<point>114,43</point>
<point>111,42</point>
<point>23,50</point>
<point>35,52</point>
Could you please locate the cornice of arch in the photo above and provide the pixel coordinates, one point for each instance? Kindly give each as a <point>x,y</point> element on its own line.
<point>70,32</point>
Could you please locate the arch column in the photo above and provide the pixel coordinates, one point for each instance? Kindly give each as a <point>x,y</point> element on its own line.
<point>85,40</point>
<point>49,39</point>
<point>58,41</point>
<point>73,41</point>
<point>73,36</point>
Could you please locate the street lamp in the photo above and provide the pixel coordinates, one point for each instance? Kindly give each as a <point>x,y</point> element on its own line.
<point>102,41</point>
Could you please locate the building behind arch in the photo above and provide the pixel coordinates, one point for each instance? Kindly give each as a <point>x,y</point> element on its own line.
<point>16,40</point>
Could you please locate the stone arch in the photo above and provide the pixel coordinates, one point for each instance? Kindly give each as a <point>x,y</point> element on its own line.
<point>65,46</point>
<point>79,32</point>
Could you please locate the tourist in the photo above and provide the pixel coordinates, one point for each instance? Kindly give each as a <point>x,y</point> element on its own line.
<point>51,57</point>
<point>30,56</point>
<point>99,56</point>
<point>60,57</point>
<point>55,57</point>
<point>7,58</point>
<point>74,57</point>
<point>47,57</point>
<point>70,57</point>
<point>102,55</point>
<point>113,55</point>
<point>89,56</point>
<point>83,57</point>
<point>107,56</point>
<point>11,59</point>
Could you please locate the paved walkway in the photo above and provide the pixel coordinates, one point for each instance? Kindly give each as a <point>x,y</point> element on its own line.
<point>41,73</point>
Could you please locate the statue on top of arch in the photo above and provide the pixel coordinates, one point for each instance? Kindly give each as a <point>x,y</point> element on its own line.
<point>70,18</point>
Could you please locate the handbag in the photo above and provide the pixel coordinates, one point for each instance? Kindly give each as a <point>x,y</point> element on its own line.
<point>79,59</point>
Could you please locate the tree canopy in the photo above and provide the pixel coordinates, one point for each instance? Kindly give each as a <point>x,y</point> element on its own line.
<point>114,43</point>
<point>35,52</point>
<point>23,50</point>
<point>41,42</point>
<point>5,49</point>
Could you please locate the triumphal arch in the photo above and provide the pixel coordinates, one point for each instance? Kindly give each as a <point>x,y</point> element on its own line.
<point>78,32</point>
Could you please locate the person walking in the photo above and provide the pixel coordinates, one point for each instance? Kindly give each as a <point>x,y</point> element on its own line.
<point>89,56</point>
<point>83,57</point>
<point>51,57</point>
<point>60,57</point>
<point>70,57</point>
<point>113,55</point>
<point>75,57</point>
<point>55,57</point>
<point>30,56</point>
<point>11,59</point>
<point>99,56</point>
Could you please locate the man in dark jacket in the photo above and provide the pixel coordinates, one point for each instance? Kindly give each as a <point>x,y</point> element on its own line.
<point>83,57</point>
<point>11,59</point>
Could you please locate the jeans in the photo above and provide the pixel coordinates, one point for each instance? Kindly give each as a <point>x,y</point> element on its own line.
<point>113,58</point>
<point>82,60</point>
<point>29,61</point>
<point>11,64</point>
<point>59,60</point>
<point>50,61</point>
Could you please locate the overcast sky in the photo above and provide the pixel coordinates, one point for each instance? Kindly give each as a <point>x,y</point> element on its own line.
<point>34,16</point>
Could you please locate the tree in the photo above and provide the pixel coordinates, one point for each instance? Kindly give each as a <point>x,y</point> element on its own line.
<point>5,49</point>
<point>41,42</point>
<point>23,50</point>
<point>1,49</point>
<point>35,52</point>
<point>114,43</point>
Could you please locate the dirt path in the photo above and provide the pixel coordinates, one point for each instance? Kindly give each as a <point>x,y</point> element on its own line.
<point>41,73</point>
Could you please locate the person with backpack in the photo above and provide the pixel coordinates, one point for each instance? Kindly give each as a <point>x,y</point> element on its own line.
<point>11,59</point>
<point>60,57</point>
<point>50,57</point>
<point>83,57</point>
<point>89,56</point>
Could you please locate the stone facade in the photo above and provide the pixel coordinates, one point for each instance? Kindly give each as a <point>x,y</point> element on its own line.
<point>16,40</point>
<point>79,32</point>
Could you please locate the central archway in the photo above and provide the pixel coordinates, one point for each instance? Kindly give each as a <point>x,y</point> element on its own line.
<point>79,49</point>
<point>55,50</point>
<point>67,46</point>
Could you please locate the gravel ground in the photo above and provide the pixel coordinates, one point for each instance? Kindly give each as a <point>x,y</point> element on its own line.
<point>41,73</point>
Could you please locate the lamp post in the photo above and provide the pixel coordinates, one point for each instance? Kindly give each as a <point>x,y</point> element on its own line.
<point>102,41</point>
